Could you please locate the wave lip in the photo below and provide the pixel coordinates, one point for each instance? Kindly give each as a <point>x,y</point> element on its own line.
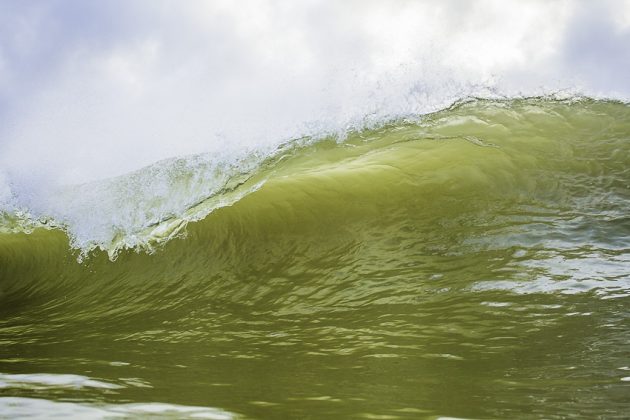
<point>141,209</point>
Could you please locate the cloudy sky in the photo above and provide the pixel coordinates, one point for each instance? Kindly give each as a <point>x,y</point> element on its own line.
<point>91,89</point>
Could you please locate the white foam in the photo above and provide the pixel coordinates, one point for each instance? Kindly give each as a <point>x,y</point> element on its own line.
<point>48,380</point>
<point>35,408</point>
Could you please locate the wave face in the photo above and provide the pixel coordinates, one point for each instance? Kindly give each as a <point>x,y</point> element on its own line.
<point>472,262</point>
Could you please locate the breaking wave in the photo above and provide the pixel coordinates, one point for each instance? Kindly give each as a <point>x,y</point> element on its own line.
<point>512,144</point>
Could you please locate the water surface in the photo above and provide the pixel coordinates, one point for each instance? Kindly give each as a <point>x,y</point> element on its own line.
<point>471,263</point>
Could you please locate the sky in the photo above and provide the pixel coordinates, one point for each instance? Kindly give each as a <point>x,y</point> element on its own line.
<point>91,90</point>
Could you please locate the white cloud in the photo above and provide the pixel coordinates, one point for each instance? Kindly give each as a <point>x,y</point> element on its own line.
<point>621,13</point>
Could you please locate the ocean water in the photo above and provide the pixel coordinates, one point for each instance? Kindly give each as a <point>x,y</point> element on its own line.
<point>471,263</point>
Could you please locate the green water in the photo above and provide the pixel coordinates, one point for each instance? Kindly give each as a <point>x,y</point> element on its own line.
<point>474,263</point>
